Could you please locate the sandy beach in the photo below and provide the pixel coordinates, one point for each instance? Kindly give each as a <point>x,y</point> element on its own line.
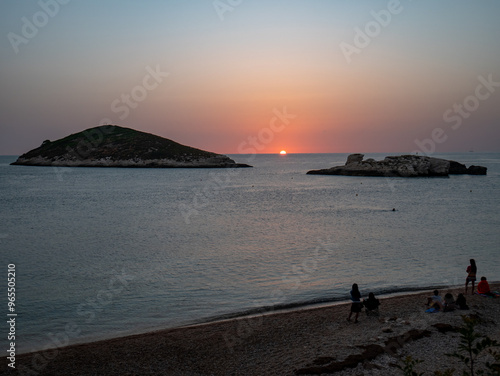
<point>305,341</point>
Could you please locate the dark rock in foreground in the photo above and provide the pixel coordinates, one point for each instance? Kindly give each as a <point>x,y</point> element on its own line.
<point>400,166</point>
<point>113,146</point>
<point>369,353</point>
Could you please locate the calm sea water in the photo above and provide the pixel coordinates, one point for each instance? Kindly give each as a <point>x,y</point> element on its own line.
<point>108,252</point>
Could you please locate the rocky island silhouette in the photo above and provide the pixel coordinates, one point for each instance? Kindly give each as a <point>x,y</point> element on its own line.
<point>115,146</point>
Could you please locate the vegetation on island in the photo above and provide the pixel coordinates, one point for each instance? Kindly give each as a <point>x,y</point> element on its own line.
<point>111,143</point>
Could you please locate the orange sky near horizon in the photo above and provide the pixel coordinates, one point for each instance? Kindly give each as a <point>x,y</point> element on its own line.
<point>222,79</point>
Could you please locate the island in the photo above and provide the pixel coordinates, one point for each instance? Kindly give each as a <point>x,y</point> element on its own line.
<point>400,166</point>
<point>114,146</point>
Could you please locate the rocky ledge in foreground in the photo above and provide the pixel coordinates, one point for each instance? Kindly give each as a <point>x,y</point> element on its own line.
<point>114,146</point>
<point>400,166</point>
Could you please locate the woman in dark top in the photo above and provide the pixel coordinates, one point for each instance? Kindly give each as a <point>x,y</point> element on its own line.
<point>356,303</point>
<point>371,304</point>
<point>471,275</point>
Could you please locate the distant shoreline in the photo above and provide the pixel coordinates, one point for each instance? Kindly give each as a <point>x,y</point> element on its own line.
<point>379,153</point>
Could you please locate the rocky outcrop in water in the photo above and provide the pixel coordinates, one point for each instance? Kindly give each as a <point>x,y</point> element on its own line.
<point>400,166</point>
<point>114,146</point>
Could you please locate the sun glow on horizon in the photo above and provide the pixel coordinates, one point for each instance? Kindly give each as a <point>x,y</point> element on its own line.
<point>283,152</point>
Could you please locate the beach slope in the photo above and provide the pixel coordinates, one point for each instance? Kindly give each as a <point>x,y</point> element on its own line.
<point>305,341</point>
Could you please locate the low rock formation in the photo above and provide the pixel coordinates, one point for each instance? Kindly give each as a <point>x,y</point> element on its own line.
<point>113,146</point>
<point>370,352</point>
<point>400,166</point>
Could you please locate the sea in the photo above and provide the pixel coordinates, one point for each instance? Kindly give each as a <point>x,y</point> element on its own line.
<point>101,253</point>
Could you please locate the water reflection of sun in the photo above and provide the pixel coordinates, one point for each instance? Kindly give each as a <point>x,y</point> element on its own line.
<point>283,152</point>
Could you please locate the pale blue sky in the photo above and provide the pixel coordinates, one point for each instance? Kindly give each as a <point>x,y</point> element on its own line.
<point>225,77</point>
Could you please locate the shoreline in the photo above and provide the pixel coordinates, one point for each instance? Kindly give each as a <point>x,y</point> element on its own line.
<point>299,306</point>
<point>279,342</point>
<point>246,314</point>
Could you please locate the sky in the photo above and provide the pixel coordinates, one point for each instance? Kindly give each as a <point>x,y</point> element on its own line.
<point>244,76</point>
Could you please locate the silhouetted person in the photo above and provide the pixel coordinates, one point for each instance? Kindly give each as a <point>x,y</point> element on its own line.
<point>356,305</point>
<point>371,304</point>
<point>449,302</point>
<point>461,302</point>
<point>471,275</point>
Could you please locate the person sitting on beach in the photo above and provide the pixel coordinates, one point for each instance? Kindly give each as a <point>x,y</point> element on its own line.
<point>471,275</point>
<point>435,301</point>
<point>449,303</point>
<point>371,304</point>
<point>483,288</point>
<point>356,305</point>
<point>461,302</point>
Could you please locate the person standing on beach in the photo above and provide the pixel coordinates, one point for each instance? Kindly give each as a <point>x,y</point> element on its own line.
<point>356,303</point>
<point>471,275</point>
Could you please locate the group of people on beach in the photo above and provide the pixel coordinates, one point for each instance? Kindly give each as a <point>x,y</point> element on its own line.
<point>434,303</point>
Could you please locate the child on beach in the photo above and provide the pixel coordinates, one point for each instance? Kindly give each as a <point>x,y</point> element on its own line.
<point>356,305</point>
<point>449,303</point>
<point>471,275</point>
<point>461,302</point>
<point>371,304</point>
<point>435,302</point>
<point>483,288</point>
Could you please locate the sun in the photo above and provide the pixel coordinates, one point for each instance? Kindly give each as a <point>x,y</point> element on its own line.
<point>283,152</point>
